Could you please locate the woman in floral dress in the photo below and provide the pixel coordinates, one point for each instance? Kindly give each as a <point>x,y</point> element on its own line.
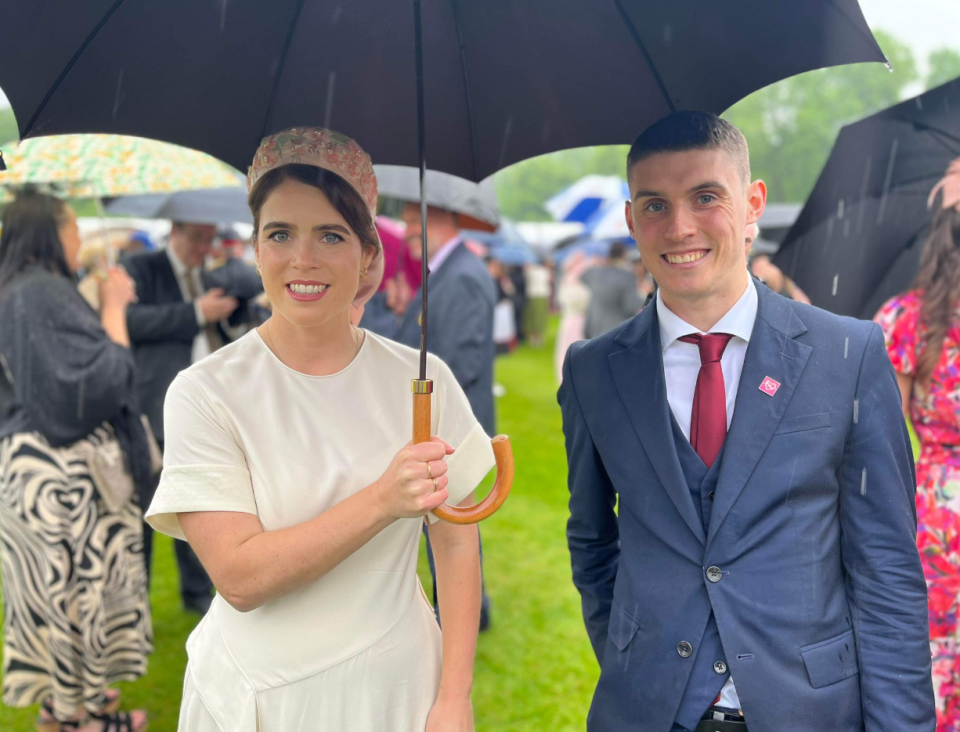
<point>922,330</point>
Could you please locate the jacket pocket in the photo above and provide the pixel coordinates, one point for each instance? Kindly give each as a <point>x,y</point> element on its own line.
<point>622,627</point>
<point>803,423</point>
<point>831,660</point>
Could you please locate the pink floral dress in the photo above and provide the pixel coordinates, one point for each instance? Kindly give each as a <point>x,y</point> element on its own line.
<point>935,413</point>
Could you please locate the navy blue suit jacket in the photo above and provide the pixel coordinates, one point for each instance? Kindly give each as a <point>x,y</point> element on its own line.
<point>822,605</point>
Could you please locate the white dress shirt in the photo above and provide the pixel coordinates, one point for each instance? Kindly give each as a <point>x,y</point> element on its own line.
<point>201,346</point>
<point>681,366</point>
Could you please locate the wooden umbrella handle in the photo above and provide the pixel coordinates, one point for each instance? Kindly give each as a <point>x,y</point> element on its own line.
<point>502,451</point>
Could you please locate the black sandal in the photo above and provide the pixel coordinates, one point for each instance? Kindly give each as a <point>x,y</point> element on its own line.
<point>117,722</point>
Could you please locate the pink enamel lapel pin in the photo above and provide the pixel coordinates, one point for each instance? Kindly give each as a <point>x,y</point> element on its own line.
<point>769,386</point>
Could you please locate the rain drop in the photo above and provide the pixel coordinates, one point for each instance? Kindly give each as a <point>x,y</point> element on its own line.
<point>846,347</point>
<point>667,33</point>
<point>506,138</point>
<point>337,12</point>
<point>836,278</point>
<point>116,99</point>
<point>919,104</point>
<point>856,411</point>
<point>886,185</point>
<point>331,85</point>
<point>863,483</point>
<point>223,13</point>
<point>840,205</point>
<point>889,66</point>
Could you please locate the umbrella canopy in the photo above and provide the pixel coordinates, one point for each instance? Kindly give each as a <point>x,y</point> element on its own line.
<point>581,200</point>
<point>857,241</point>
<point>503,80</point>
<point>100,166</point>
<point>220,206</point>
<point>475,200</point>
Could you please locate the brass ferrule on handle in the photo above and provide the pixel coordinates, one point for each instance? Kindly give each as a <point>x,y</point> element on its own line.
<point>502,452</point>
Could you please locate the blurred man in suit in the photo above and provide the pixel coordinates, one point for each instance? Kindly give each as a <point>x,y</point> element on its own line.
<point>176,322</point>
<point>614,295</point>
<point>742,521</point>
<point>460,318</point>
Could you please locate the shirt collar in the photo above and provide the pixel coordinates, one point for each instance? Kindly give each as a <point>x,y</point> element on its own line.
<point>738,321</point>
<point>443,253</point>
<point>179,268</point>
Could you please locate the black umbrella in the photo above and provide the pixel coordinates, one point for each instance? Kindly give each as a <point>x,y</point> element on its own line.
<point>857,241</point>
<point>495,81</point>
<point>209,206</point>
<point>504,80</point>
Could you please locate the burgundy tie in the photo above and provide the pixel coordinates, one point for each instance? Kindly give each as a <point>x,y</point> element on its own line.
<point>708,422</point>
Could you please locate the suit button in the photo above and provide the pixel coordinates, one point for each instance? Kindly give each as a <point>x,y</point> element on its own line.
<point>714,574</point>
<point>684,649</point>
<point>720,667</point>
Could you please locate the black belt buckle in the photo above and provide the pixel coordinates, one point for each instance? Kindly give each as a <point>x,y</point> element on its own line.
<point>716,720</point>
<point>713,725</point>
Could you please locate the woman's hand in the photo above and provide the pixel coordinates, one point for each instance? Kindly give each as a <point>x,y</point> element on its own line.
<point>117,289</point>
<point>451,714</point>
<point>406,489</point>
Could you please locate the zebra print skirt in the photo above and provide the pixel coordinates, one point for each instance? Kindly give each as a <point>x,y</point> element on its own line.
<point>77,617</point>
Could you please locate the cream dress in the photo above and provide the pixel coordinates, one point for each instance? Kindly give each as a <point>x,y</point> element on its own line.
<point>359,649</point>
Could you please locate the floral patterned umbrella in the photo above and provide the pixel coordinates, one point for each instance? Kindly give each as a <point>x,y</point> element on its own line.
<point>100,166</point>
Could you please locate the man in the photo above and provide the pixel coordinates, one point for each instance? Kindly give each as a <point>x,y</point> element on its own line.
<point>460,317</point>
<point>174,324</point>
<point>764,578</point>
<point>614,296</point>
<point>459,320</point>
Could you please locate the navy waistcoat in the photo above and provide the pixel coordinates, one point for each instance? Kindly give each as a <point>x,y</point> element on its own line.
<point>704,683</point>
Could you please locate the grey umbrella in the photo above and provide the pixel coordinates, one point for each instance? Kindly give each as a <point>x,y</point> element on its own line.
<point>477,200</point>
<point>211,206</point>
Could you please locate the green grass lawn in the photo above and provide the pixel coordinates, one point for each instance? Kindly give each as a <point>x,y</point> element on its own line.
<point>535,670</point>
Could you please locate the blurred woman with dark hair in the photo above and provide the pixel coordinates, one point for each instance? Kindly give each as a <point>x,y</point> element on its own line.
<point>72,445</point>
<point>922,331</point>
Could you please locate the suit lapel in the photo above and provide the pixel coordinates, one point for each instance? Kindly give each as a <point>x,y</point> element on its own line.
<point>638,375</point>
<point>772,352</point>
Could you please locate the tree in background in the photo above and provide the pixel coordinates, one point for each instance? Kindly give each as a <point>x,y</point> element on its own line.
<point>791,127</point>
<point>944,66</point>
<point>8,126</point>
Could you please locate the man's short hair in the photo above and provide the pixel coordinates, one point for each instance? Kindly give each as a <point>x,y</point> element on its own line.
<point>683,131</point>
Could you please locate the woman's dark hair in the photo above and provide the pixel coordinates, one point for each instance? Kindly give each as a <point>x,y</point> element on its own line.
<point>30,235</point>
<point>939,280</point>
<point>342,196</point>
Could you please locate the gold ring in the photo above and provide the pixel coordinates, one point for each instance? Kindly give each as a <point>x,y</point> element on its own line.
<point>436,485</point>
<point>429,471</point>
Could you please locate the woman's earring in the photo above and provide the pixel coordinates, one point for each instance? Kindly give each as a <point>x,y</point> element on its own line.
<point>363,274</point>
<point>259,271</point>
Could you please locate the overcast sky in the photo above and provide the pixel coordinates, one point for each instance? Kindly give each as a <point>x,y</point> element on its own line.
<point>924,24</point>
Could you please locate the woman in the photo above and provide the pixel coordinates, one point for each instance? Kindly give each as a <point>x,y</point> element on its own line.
<point>74,583</point>
<point>573,297</point>
<point>288,468</point>
<point>922,330</point>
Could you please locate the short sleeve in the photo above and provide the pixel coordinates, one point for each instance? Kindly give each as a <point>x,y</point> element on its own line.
<point>455,423</point>
<point>900,320</point>
<point>204,468</point>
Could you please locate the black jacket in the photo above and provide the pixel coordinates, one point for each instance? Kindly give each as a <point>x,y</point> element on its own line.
<point>162,328</point>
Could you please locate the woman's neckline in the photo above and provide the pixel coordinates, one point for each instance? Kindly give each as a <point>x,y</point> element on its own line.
<point>275,357</point>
